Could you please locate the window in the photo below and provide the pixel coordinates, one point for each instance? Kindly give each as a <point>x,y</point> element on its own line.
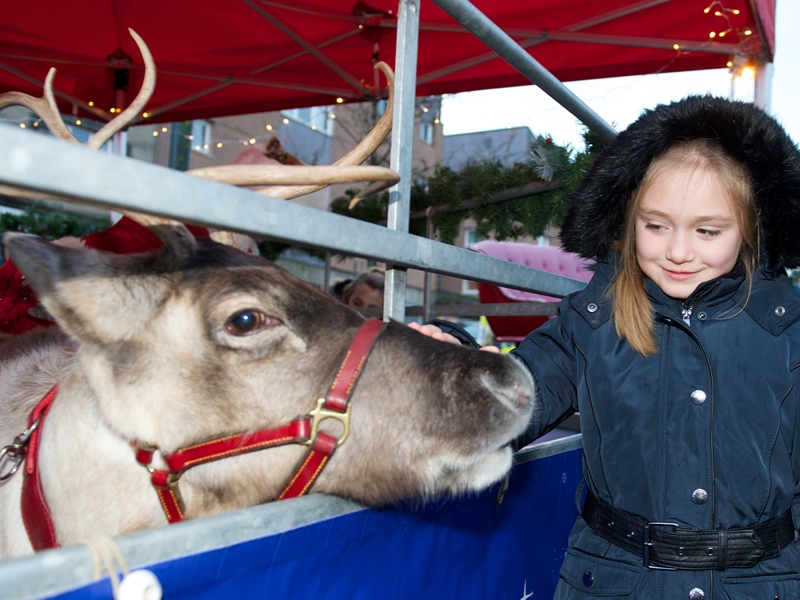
<point>426,132</point>
<point>201,137</point>
<point>316,118</point>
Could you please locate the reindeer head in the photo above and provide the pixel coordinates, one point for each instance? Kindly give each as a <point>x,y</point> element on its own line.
<point>197,341</point>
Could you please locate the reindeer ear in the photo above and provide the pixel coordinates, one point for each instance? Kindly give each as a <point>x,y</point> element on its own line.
<point>95,296</point>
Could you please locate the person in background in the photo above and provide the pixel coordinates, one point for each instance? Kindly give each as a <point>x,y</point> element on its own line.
<point>682,358</point>
<point>364,291</point>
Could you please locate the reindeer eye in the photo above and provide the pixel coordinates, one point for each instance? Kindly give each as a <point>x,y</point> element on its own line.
<point>249,321</point>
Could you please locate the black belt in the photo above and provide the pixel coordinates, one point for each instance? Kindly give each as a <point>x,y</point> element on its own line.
<point>670,546</point>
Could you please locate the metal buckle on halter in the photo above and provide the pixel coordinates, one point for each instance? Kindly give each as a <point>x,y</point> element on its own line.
<point>647,544</point>
<point>321,413</point>
<point>15,452</point>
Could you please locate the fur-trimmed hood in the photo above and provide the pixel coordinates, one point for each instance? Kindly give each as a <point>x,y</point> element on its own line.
<point>598,206</point>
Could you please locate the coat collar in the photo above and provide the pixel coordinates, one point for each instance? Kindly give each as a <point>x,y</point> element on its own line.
<point>772,302</point>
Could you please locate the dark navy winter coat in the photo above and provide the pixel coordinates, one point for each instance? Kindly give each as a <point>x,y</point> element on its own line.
<point>706,433</point>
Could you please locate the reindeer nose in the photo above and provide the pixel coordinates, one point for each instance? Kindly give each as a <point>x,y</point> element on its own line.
<point>516,397</point>
<point>515,391</point>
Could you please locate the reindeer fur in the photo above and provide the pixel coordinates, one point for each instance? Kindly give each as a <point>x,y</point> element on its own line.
<point>143,353</point>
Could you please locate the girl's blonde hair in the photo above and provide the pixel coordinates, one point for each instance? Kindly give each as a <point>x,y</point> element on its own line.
<point>632,310</point>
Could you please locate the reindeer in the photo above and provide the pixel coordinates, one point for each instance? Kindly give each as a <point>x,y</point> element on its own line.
<point>199,345</point>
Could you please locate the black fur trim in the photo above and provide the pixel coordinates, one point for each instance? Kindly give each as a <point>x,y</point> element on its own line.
<point>597,207</point>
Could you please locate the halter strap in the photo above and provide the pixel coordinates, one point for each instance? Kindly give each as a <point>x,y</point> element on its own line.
<point>35,512</point>
<point>304,430</point>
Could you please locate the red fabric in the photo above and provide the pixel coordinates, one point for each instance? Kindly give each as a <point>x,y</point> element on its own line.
<point>507,329</point>
<point>18,302</point>
<point>35,512</point>
<point>227,58</point>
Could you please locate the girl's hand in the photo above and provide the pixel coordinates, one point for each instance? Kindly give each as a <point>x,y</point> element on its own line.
<point>434,332</point>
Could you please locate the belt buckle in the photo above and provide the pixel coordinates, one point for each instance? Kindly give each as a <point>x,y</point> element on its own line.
<point>647,544</point>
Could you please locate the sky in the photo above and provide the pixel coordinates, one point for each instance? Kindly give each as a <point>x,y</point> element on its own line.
<point>620,100</point>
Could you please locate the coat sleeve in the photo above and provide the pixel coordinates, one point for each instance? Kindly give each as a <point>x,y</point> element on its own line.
<point>550,355</point>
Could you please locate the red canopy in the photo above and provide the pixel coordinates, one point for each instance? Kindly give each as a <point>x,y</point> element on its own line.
<point>243,56</point>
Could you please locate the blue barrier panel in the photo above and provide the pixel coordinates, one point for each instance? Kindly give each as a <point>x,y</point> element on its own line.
<point>457,548</point>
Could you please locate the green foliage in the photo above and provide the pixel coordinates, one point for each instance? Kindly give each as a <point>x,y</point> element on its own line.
<point>271,250</point>
<point>469,193</point>
<point>52,225</point>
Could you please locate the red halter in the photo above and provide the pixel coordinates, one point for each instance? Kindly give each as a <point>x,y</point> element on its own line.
<point>305,430</point>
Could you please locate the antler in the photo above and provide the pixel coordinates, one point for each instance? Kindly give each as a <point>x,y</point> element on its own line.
<point>292,181</point>
<point>47,109</point>
<point>321,176</point>
<point>135,107</point>
<point>313,178</point>
<point>358,154</point>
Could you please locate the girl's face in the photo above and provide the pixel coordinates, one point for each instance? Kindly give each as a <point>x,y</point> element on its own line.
<point>686,230</point>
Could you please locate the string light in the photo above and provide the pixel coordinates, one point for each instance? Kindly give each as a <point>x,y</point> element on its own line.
<point>269,127</point>
<point>91,103</point>
<point>77,122</point>
<point>252,140</point>
<point>22,125</point>
<point>219,144</point>
<point>155,134</point>
<point>339,100</point>
<point>164,129</point>
<point>145,114</point>
<point>286,121</point>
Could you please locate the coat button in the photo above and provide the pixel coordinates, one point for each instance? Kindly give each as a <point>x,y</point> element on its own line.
<point>696,594</point>
<point>588,579</point>
<point>702,316</point>
<point>698,396</point>
<point>699,496</point>
<point>591,307</point>
<point>780,311</point>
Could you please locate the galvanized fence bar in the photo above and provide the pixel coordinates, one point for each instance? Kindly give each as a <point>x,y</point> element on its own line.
<point>494,37</point>
<point>41,163</point>
<point>402,144</point>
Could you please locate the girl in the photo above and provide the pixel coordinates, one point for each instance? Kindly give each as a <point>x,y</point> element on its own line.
<point>682,357</point>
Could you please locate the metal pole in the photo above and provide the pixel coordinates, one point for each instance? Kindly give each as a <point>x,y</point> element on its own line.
<point>326,280</point>
<point>426,298</point>
<point>394,302</point>
<point>763,91</point>
<point>490,34</point>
